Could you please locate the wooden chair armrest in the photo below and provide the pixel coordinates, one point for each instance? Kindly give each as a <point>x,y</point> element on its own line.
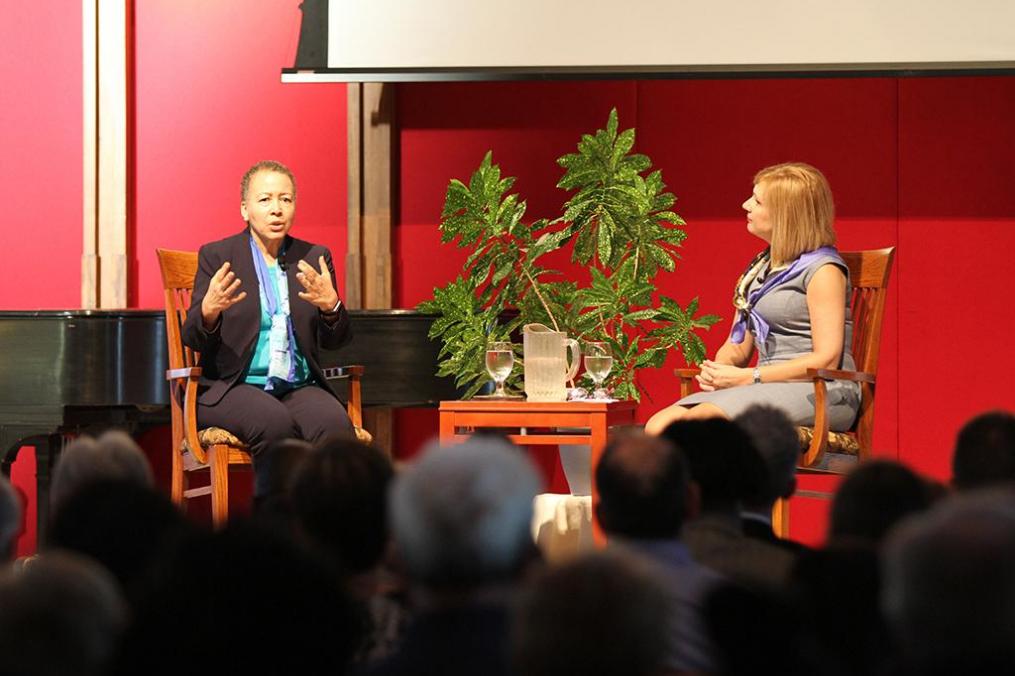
<point>354,371</point>
<point>835,374</point>
<point>686,376</point>
<point>188,373</point>
<point>354,406</point>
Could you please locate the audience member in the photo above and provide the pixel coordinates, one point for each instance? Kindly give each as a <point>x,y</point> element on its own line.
<point>339,496</point>
<point>461,519</point>
<point>949,586</point>
<point>114,455</point>
<point>603,614</point>
<point>124,526</point>
<point>985,451</point>
<point>755,631</point>
<point>60,614</point>
<point>643,501</point>
<point>242,600</point>
<point>339,500</point>
<point>279,465</point>
<point>873,498</point>
<point>726,467</point>
<point>775,439</point>
<point>10,520</point>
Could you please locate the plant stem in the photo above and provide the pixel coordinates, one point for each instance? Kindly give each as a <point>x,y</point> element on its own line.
<point>535,287</point>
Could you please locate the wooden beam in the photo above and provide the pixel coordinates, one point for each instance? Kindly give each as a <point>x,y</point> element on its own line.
<point>371,109</point>
<point>107,91</point>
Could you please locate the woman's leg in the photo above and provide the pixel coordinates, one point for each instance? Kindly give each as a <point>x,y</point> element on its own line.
<point>671,414</point>
<point>250,413</point>
<point>317,415</point>
<point>257,418</point>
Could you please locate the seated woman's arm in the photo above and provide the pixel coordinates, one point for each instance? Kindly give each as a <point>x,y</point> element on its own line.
<point>826,305</point>
<point>736,354</point>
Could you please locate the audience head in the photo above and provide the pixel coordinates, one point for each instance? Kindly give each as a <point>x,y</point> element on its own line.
<point>949,585</point>
<point>642,484</point>
<point>59,614</point>
<point>461,516</point>
<point>774,437</point>
<point>339,498</point>
<point>874,497</point>
<point>10,519</point>
<point>243,600</point>
<point>985,451</point>
<point>114,455</point>
<point>720,459</point>
<point>599,615</point>
<point>125,527</point>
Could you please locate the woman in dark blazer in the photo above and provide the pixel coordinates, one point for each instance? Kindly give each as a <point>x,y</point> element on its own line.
<point>263,305</point>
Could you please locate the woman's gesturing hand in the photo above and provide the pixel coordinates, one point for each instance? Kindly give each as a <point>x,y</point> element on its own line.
<point>223,293</point>
<point>716,376</point>
<point>318,288</point>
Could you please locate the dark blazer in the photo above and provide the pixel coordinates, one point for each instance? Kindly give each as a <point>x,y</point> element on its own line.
<point>226,351</point>
<point>759,530</point>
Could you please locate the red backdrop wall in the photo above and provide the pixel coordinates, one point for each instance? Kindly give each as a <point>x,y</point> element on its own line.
<point>920,163</point>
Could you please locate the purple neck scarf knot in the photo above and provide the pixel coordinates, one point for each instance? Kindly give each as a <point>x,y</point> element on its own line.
<point>747,315</point>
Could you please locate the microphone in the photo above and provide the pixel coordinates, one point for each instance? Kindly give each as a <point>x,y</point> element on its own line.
<point>281,262</point>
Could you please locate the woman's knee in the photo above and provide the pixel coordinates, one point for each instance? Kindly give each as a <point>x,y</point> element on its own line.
<point>663,419</point>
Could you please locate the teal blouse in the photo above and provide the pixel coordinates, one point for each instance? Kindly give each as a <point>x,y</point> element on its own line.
<point>257,371</point>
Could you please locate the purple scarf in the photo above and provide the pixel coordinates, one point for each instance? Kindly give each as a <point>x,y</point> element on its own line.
<point>798,266</point>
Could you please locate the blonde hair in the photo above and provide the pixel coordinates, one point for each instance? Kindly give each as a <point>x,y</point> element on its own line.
<point>801,209</point>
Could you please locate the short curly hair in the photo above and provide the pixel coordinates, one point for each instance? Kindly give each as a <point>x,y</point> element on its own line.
<point>264,165</point>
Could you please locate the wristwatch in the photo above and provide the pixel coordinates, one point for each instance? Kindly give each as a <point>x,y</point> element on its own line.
<point>757,375</point>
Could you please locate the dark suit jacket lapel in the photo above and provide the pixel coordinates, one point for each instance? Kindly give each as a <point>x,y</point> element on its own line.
<point>242,264</point>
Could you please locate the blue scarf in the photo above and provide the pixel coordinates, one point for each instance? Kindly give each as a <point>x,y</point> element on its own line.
<point>281,324</point>
<point>749,314</point>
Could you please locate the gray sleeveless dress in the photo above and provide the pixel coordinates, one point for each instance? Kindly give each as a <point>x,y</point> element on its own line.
<point>784,307</point>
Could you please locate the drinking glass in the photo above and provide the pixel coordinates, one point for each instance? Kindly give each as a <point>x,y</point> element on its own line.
<point>500,359</point>
<point>598,362</point>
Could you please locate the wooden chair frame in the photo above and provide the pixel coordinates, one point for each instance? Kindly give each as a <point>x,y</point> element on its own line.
<point>189,454</point>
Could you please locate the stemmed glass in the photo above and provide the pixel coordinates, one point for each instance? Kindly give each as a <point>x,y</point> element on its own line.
<point>598,363</point>
<point>500,359</point>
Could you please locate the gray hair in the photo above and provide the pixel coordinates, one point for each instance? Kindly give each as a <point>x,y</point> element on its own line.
<point>10,518</point>
<point>461,516</point>
<point>949,580</point>
<point>774,436</point>
<point>113,456</point>
<point>59,614</point>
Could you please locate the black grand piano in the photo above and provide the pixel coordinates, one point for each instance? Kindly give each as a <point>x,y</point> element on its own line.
<point>66,372</point>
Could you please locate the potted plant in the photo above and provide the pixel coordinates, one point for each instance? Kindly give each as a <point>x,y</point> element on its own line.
<point>618,221</point>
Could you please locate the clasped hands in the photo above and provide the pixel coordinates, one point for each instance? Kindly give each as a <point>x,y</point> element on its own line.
<point>224,290</point>
<point>716,376</point>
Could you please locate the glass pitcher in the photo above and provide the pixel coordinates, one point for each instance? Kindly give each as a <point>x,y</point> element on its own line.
<point>547,368</point>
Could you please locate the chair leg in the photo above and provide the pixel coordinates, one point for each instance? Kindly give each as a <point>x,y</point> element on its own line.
<point>219,475</point>
<point>780,518</point>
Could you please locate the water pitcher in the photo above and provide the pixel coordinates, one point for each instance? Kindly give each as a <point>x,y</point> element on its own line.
<point>547,368</point>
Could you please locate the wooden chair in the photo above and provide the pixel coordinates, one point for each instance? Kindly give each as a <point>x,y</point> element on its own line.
<point>212,449</point>
<point>869,272</point>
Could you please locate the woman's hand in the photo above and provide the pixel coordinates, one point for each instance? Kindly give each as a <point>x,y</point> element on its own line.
<point>222,295</point>
<point>319,289</point>
<point>715,376</point>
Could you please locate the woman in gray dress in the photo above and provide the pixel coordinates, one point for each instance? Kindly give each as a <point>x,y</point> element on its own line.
<point>792,308</point>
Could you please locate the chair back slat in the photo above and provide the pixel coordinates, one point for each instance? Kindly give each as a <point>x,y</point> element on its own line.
<point>179,268</point>
<point>868,272</point>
